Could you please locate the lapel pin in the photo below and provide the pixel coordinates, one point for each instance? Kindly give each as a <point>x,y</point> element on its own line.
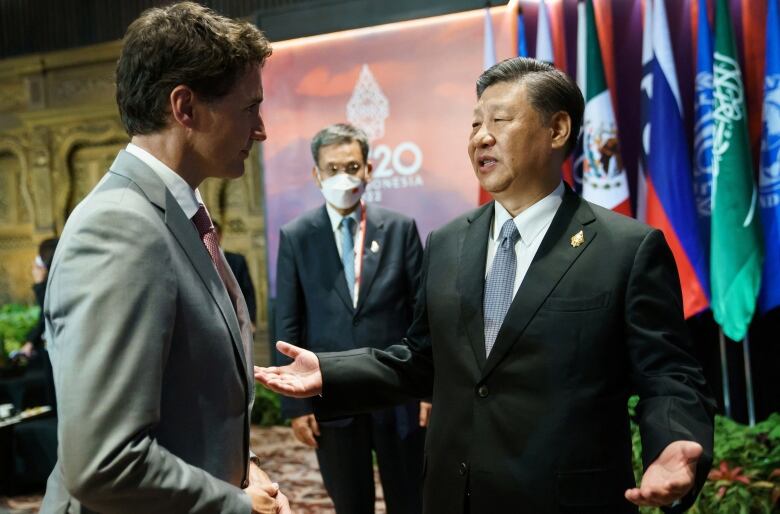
<point>577,239</point>
<point>374,247</point>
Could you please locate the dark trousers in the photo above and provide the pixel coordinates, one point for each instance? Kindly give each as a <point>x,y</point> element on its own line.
<point>345,460</point>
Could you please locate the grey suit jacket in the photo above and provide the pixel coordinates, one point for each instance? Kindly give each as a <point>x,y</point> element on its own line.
<point>152,359</point>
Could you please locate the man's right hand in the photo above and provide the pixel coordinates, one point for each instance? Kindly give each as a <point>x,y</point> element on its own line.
<point>266,499</point>
<point>305,428</point>
<point>299,379</point>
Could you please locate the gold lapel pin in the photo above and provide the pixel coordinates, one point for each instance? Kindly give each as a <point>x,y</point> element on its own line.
<point>374,247</point>
<point>577,239</point>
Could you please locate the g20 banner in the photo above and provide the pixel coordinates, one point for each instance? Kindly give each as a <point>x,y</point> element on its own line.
<point>410,86</point>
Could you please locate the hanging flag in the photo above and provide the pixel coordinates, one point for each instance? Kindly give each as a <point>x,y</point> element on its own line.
<point>544,44</point>
<point>604,180</point>
<point>488,60</point>
<point>736,246</point>
<point>522,50</point>
<point>704,123</point>
<point>578,158</point>
<point>645,93</point>
<point>669,201</point>
<point>769,169</point>
<point>489,43</point>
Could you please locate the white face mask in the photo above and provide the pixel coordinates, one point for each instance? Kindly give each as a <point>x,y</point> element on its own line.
<point>342,191</point>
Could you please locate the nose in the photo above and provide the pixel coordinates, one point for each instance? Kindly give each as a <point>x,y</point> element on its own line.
<point>482,138</point>
<point>258,132</point>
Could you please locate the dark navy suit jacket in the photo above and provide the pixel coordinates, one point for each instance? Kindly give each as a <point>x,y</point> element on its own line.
<point>313,306</point>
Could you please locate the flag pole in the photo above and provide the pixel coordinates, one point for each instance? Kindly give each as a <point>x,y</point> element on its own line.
<point>724,370</point>
<point>749,382</point>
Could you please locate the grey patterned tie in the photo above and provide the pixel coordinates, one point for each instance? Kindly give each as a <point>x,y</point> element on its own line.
<point>348,253</point>
<point>500,282</point>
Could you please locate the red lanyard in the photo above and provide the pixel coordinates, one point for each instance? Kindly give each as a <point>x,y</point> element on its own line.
<point>362,241</point>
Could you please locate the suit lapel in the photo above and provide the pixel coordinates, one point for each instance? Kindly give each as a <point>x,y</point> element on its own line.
<point>554,257</point>
<point>186,234</point>
<point>375,233</point>
<point>327,255</point>
<point>471,278</point>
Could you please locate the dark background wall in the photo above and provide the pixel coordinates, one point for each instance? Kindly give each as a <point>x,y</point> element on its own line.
<point>30,26</point>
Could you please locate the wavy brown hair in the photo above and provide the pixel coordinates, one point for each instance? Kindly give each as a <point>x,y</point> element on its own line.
<point>181,44</point>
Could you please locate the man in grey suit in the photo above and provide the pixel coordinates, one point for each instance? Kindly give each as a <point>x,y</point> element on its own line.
<point>149,334</point>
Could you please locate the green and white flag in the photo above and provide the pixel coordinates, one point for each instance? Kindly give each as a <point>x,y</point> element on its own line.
<point>604,180</point>
<point>736,247</point>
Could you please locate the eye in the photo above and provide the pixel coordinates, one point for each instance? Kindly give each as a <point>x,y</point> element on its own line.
<point>475,124</point>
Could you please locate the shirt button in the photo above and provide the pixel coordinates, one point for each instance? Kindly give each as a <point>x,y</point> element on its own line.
<point>463,468</point>
<point>355,322</point>
<point>482,391</point>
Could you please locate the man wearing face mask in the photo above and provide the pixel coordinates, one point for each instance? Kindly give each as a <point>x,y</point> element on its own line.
<point>347,275</point>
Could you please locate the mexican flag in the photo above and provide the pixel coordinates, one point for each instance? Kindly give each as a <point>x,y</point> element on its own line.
<point>736,246</point>
<point>604,180</point>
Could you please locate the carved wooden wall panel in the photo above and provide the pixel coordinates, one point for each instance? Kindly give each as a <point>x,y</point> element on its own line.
<point>59,133</point>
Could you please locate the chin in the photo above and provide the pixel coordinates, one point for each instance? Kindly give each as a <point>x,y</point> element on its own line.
<point>236,171</point>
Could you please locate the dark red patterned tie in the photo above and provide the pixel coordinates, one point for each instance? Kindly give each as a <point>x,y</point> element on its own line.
<point>208,235</point>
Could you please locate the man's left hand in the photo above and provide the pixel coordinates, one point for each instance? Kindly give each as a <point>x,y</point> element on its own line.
<point>669,477</point>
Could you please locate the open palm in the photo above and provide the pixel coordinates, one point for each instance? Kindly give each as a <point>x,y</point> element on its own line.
<point>669,477</point>
<point>299,379</point>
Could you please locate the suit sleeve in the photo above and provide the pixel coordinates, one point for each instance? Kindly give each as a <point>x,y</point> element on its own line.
<point>366,379</point>
<point>675,403</point>
<point>290,316</point>
<point>413,260</point>
<point>111,306</point>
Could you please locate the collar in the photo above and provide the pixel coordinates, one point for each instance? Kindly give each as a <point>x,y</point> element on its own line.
<point>335,217</point>
<point>188,200</point>
<point>532,220</point>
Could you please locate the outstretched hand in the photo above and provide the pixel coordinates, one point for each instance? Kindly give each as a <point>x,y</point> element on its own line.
<point>669,477</point>
<point>299,379</point>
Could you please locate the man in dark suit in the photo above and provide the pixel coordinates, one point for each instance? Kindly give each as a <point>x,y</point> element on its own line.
<point>538,316</point>
<point>240,269</point>
<point>346,277</point>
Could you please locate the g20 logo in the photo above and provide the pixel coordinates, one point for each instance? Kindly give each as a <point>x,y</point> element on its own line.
<point>394,168</point>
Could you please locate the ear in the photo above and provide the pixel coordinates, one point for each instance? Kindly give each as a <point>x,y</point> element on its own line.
<point>316,177</point>
<point>560,128</point>
<point>369,170</point>
<point>182,100</point>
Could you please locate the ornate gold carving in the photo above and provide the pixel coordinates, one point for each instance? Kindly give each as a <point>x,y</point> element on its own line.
<point>59,132</point>
<point>13,96</point>
<point>81,89</point>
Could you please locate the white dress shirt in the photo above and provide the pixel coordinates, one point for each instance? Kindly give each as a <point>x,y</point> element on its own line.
<point>532,224</point>
<point>188,199</point>
<point>335,223</point>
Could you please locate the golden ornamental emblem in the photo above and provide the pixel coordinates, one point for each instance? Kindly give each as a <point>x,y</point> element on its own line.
<point>577,239</point>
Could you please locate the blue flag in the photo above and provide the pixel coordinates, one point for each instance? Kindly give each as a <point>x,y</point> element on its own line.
<point>522,51</point>
<point>769,169</point>
<point>704,124</point>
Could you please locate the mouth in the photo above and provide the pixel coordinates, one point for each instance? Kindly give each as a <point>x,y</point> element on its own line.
<point>486,164</point>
